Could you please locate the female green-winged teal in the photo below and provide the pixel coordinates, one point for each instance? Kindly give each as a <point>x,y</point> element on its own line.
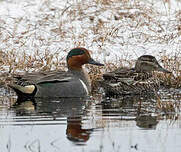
<point>73,83</point>
<point>138,80</point>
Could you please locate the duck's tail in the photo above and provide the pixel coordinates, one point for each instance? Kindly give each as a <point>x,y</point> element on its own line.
<point>23,91</point>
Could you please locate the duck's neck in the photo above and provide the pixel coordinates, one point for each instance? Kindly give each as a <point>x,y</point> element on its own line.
<point>138,67</point>
<point>83,75</point>
<point>142,69</point>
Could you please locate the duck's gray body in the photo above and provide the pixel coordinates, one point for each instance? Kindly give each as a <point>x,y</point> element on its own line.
<point>64,88</point>
<point>53,84</point>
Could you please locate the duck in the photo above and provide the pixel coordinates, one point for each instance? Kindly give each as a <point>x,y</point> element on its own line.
<point>72,83</point>
<point>133,81</point>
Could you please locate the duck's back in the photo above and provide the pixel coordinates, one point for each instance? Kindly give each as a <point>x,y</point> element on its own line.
<point>126,73</point>
<point>36,77</point>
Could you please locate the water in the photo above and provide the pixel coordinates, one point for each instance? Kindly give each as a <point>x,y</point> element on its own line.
<point>132,124</point>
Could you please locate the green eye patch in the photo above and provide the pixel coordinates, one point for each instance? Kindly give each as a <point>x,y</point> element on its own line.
<point>75,52</point>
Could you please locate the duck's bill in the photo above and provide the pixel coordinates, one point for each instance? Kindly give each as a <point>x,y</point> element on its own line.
<point>163,70</point>
<point>92,61</point>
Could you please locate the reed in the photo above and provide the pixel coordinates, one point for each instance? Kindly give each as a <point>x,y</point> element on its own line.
<point>115,29</point>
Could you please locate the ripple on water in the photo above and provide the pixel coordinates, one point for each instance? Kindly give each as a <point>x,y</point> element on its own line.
<point>130,122</point>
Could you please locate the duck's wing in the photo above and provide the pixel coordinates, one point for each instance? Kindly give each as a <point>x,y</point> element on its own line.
<point>119,74</point>
<point>60,76</point>
<point>41,77</point>
<point>126,74</point>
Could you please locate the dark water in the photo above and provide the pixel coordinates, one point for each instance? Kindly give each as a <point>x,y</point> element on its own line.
<point>133,124</point>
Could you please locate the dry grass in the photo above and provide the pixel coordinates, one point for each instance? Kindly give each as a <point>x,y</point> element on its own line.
<point>101,25</point>
<point>173,64</point>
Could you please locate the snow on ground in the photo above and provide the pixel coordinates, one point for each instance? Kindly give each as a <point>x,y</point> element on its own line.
<point>113,30</point>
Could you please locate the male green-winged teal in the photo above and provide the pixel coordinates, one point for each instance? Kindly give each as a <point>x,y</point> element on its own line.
<point>137,80</point>
<point>73,83</point>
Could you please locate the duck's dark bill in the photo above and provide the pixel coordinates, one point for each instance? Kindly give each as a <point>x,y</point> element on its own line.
<point>163,70</point>
<point>92,61</point>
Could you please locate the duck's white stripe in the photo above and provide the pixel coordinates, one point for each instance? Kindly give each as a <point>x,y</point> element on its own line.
<point>85,87</point>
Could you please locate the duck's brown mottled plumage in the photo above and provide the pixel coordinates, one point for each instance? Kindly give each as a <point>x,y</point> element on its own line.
<point>138,80</point>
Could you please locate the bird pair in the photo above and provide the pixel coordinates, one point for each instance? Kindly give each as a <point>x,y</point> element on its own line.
<point>75,82</point>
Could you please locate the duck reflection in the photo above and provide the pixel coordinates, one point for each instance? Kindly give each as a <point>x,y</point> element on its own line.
<point>71,108</point>
<point>75,132</point>
<point>27,106</point>
<point>132,108</point>
<point>146,121</point>
<point>131,105</point>
<point>52,106</point>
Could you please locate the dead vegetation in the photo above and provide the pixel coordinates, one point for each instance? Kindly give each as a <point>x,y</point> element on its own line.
<point>117,32</point>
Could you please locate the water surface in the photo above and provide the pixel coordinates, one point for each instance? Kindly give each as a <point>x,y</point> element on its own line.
<point>133,124</point>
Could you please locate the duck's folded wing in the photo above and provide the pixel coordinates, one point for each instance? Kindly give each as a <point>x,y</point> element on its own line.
<point>41,77</point>
<point>119,73</point>
<point>54,80</point>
